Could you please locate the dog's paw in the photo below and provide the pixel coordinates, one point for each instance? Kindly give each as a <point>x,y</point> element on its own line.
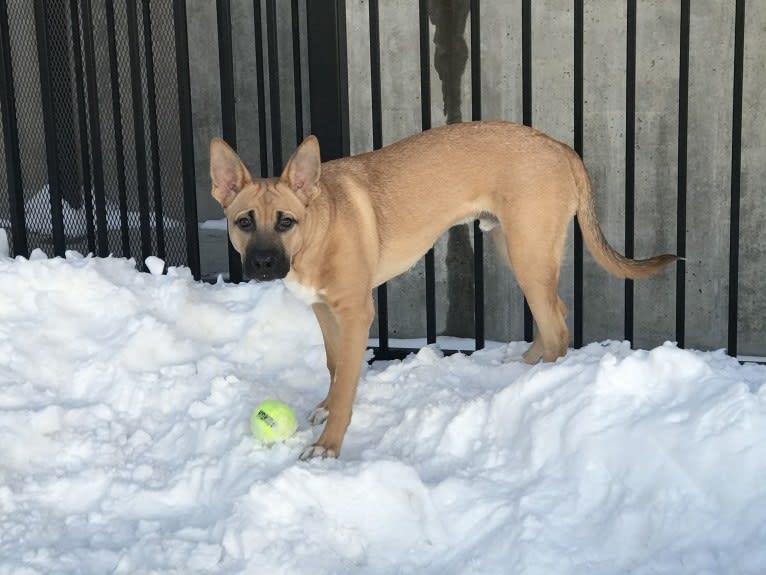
<point>318,451</point>
<point>318,416</point>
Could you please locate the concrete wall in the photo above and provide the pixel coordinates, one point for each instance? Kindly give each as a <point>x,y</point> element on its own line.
<point>658,37</point>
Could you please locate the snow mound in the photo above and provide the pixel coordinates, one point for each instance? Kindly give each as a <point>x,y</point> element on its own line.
<point>124,444</point>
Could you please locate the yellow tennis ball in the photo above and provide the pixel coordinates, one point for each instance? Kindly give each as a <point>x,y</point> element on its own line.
<point>273,421</point>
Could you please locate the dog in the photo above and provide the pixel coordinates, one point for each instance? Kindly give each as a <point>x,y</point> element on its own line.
<point>334,231</point>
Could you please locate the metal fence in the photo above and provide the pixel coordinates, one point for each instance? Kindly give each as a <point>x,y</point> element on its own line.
<point>96,119</point>
<point>97,125</point>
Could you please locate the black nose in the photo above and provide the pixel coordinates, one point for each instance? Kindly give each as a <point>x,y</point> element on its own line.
<point>265,264</point>
<point>263,261</point>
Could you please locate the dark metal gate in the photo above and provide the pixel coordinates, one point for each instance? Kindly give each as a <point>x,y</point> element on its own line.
<point>96,120</point>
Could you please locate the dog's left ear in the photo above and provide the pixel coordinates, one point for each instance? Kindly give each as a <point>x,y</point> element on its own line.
<point>303,170</point>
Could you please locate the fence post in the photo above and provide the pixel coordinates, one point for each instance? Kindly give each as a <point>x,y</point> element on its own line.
<point>11,139</point>
<point>328,76</point>
<point>228,104</point>
<point>187,136</point>
<point>49,100</point>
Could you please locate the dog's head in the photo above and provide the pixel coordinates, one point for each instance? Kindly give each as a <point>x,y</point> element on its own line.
<point>265,216</point>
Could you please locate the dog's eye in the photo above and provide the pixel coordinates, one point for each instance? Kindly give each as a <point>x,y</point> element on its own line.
<point>245,223</point>
<point>285,223</point>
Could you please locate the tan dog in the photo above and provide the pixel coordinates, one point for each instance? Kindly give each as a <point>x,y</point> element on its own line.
<point>334,231</point>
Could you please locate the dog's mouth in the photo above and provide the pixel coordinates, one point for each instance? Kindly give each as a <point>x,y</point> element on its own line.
<point>265,264</point>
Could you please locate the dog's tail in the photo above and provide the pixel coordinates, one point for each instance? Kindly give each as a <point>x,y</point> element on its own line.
<point>606,256</point>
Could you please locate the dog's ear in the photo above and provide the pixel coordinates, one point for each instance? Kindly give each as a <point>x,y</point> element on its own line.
<point>303,170</point>
<point>227,172</point>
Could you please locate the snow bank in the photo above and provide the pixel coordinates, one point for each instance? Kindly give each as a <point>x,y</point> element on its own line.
<point>124,445</point>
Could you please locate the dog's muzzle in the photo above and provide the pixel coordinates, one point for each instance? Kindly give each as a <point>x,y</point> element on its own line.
<point>265,264</point>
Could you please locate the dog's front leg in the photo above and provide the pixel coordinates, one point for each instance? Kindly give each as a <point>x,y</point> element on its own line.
<point>353,328</point>
<point>330,336</point>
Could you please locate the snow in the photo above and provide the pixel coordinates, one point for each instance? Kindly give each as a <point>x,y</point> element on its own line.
<point>219,225</point>
<point>75,221</point>
<point>124,444</point>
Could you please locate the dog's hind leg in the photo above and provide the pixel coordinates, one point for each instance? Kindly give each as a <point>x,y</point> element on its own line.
<point>536,350</point>
<point>535,257</point>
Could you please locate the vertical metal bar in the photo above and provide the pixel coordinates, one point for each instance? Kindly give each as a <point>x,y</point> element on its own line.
<point>94,116</point>
<point>11,139</point>
<point>577,319</point>
<point>114,74</point>
<point>425,66</point>
<point>630,159</point>
<point>139,140</point>
<point>377,143</point>
<point>328,76</point>
<point>186,136</point>
<point>736,172</point>
<point>261,89</point>
<point>375,91</point>
<point>683,120</point>
<point>297,86</point>
<point>478,238</point>
<point>276,116</point>
<point>82,116</point>
<point>228,104</point>
<point>343,77</point>
<point>526,74</point>
<point>425,112</point>
<point>226,65</point>
<point>154,144</point>
<point>49,121</point>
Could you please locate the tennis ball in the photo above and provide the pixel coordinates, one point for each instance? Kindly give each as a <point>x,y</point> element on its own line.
<point>273,421</point>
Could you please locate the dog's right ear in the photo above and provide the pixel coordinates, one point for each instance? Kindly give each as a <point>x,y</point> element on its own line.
<point>227,172</point>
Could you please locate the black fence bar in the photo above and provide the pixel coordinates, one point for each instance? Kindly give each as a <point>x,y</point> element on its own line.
<point>377,143</point>
<point>87,189</point>
<point>478,238</point>
<point>630,159</point>
<point>94,132</point>
<point>119,152</point>
<point>187,136</point>
<point>11,139</point>
<point>425,115</point>
<point>328,76</point>
<point>226,66</point>
<point>42,16</point>
<point>276,115</point>
<point>526,104</point>
<point>577,318</point>
<point>736,173</point>
<point>139,142</point>
<point>261,88</point>
<point>154,144</point>
<point>228,104</point>
<point>683,122</point>
<point>297,77</point>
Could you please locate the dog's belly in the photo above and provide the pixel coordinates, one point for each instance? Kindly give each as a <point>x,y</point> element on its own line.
<point>390,269</point>
<point>404,253</point>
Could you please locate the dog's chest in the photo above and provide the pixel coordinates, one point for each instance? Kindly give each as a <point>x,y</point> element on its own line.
<point>304,293</point>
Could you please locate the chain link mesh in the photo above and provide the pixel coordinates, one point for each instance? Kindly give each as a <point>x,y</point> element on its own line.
<point>73,137</point>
